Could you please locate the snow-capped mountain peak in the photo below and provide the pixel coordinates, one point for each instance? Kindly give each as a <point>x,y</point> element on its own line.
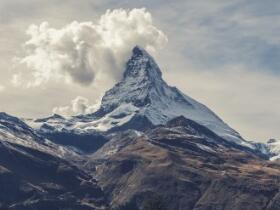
<point>142,76</point>
<point>143,94</point>
<point>141,63</point>
<point>147,94</point>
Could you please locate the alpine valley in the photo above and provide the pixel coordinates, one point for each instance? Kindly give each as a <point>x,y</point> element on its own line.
<point>148,147</point>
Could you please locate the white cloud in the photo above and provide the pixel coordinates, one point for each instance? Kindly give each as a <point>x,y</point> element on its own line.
<point>85,51</point>
<point>78,106</point>
<point>2,88</point>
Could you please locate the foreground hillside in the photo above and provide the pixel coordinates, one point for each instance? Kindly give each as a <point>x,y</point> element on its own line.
<point>37,174</point>
<point>182,164</point>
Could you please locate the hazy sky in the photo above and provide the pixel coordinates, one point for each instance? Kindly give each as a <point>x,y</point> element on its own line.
<point>225,54</point>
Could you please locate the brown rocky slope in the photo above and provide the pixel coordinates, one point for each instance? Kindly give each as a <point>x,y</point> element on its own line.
<point>188,166</point>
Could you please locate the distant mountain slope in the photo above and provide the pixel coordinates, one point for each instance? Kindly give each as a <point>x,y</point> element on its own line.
<point>273,146</point>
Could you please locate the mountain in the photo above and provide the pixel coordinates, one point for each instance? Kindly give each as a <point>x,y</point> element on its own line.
<point>38,174</point>
<point>142,99</point>
<point>148,142</point>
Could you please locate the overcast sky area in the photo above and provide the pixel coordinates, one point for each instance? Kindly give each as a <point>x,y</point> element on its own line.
<point>60,56</point>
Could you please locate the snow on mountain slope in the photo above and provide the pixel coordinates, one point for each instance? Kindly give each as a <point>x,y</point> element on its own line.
<point>16,132</point>
<point>38,174</point>
<point>273,147</point>
<point>141,92</point>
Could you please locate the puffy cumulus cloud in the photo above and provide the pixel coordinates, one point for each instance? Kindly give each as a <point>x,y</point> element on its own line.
<point>84,51</point>
<point>78,106</point>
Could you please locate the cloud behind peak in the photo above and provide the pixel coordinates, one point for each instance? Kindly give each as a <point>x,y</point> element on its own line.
<point>82,52</point>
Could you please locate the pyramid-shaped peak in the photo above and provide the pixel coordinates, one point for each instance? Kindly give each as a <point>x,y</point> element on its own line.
<point>142,79</point>
<point>139,51</point>
<point>142,63</point>
<point>143,94</point>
